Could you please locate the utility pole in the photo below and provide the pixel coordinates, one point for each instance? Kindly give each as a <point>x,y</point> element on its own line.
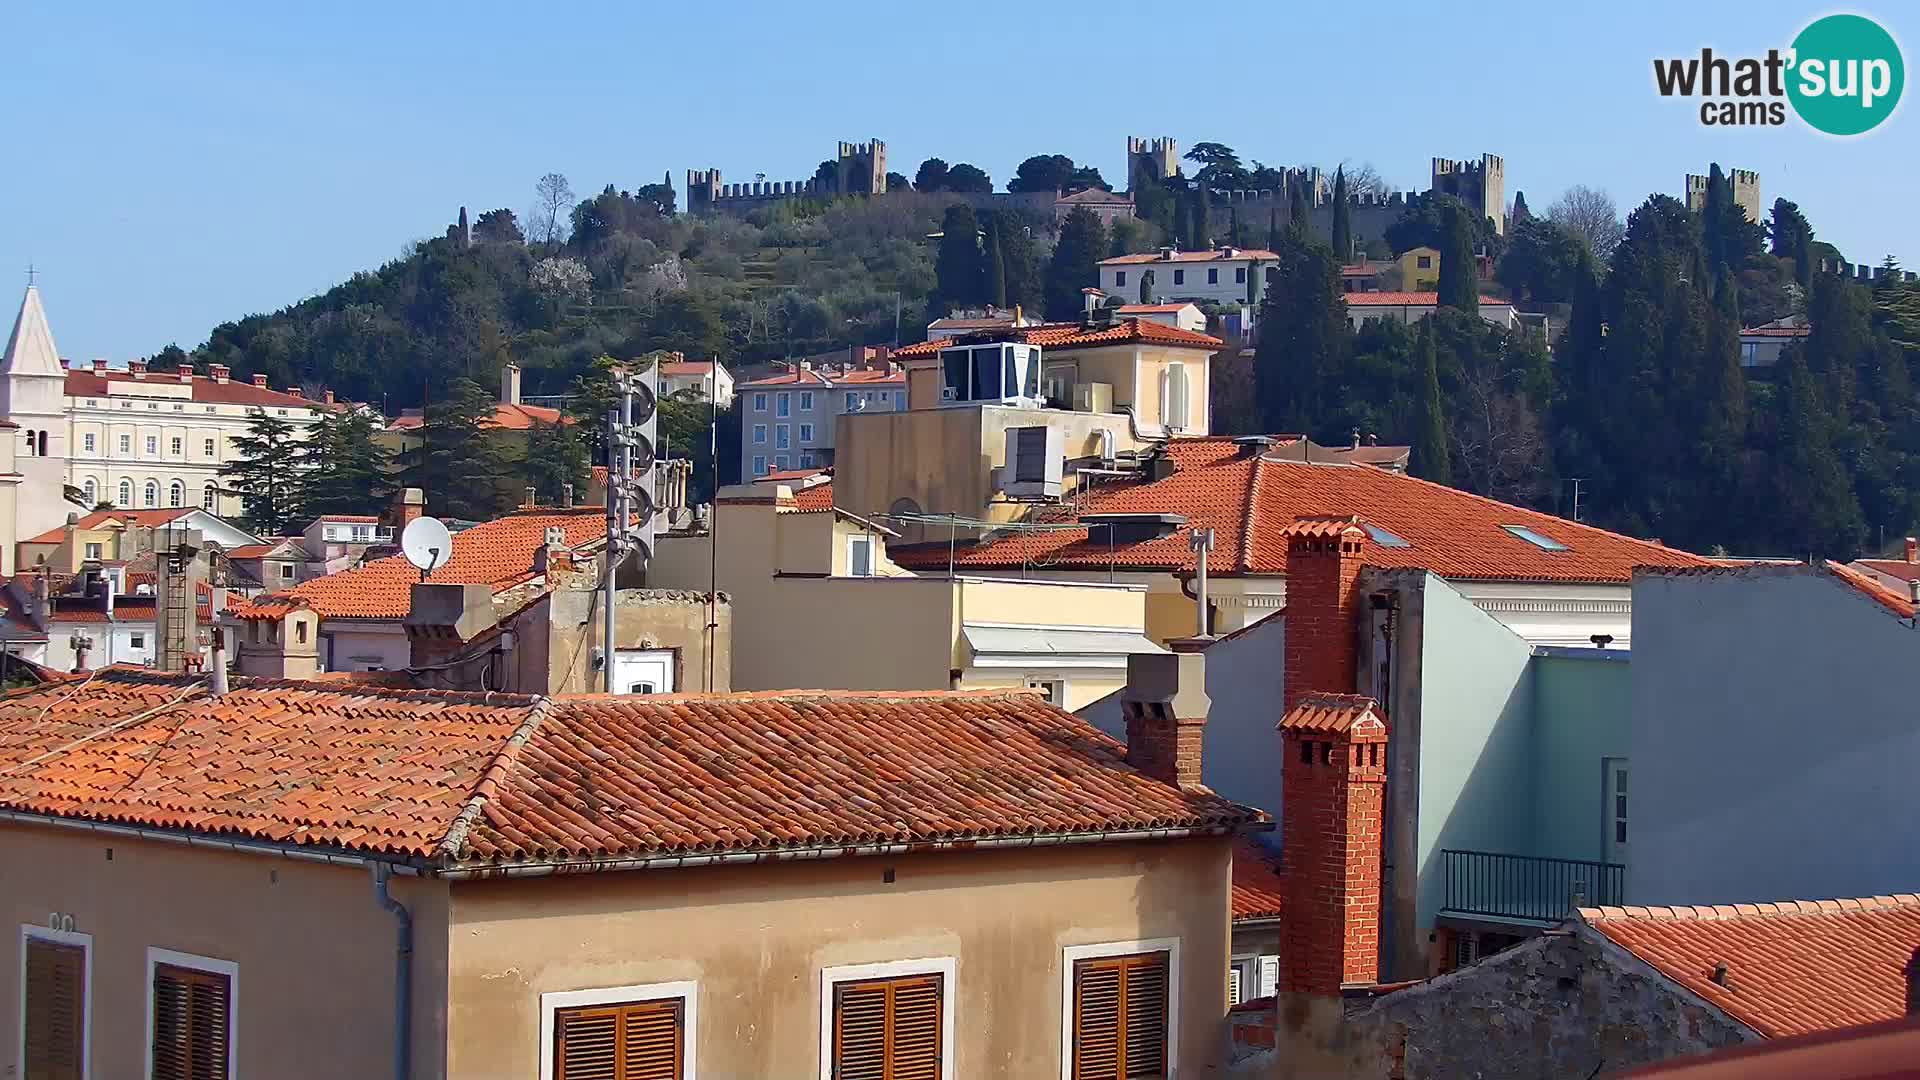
<point>631,428</point>
<point>1201,541</point>
<point>1576,482</point>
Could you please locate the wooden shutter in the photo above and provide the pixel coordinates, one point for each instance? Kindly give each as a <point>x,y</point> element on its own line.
<point>643,1040</point>
<point>55,1010</point>
<point>1120,1017</point>
<point>192,1018</point>
<point>888,1029</point>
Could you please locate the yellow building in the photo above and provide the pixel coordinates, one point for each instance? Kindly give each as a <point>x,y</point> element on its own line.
<point>1418,269</point>
<point>817,603</point>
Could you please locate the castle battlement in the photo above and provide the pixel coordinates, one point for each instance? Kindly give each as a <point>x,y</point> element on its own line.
<point>860,168</point>
<point>1746,192</point>
<point>1159,157</point>
<point>1480,184</point>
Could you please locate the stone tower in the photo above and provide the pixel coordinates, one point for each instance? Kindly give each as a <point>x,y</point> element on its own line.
<point>33,397</point>
<point>1746,192</point>
<point>861,168</point>
<point>703,189</point>
<point>1481,184</point>
<point>1158,158</point>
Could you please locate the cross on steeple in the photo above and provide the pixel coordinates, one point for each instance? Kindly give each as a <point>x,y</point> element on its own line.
<point>31,274</point>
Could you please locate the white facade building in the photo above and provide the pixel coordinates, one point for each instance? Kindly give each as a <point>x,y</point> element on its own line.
<point>787,421</point>
<point>134,438</point>
<point>1219,275</point>
<point>708,378</point>
<point>1411,307</point>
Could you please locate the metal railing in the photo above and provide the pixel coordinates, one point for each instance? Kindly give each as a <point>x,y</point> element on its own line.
<point>1496,885</point>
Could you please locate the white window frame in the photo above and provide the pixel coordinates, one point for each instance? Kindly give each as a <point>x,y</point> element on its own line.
<point>782,404</point>
<point>687,993</point>
<point>177,446</point>
<point>759,434</point>
<point>87,442</point>
<point>759,466</point>
<point>210,452</point>
<point>157,956</point>
<point>856,541</point>
<point>806,433</point>
<point>782,437</point>
<point>806,401</point>
<point>29,932</point>
<point>943,966</point>
<point>126,444</point>
<point>759,401</point>
<point>1072,953</point>
<point>153,446</point>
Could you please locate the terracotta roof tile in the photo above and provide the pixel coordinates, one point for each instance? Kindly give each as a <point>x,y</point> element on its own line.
<point>497,553</point>
<point>1777,331</point>
<point>83,382</point>
<point>1873,589</point>
<point>1409,299</point>
<point>1250,499</point>
<point>454,778</point>
<point>1792,967</point>
<point>831,377</point>
<point>147,519</point>
<point>1899,569</point>
<point>1334,713</point>
<point>814,498</point>
<point>1073,336</point>
<point>505,417</point>
<point>1257,887</point>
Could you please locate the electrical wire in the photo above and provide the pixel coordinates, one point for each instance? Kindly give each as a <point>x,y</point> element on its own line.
<point>108,730</point>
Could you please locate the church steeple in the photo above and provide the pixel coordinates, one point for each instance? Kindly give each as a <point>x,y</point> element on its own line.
<point>31,351</point>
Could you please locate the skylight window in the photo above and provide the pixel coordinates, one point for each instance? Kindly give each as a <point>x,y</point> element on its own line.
<point>1544,543</point>
<point>1383,537</point>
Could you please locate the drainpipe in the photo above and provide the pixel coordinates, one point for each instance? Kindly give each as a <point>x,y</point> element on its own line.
<point>402,972</point>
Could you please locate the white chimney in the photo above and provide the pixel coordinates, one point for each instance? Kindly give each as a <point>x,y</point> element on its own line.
<point>510,384</point>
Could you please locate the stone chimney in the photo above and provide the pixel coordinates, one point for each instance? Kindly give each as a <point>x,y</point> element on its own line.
<point>1165,703</point>
<point>138,368</point>
<point>99,365</point>
<point>283,646</point>
<point>510,384</point>
<point>408,505</point>
<point>1913,983</point>
<point>219,372</point>
<point>1333,782</point>
<point>441,619</point>
<point>260,381</point>
<point>1913,549</point>
<point>327,397</point>
<point>1323,608</point>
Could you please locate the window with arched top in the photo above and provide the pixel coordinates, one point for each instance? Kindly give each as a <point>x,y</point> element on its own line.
<point>209,497</point>
<point>151,493</point>
<point>177,494</point>
<point>126,493</point>
<point>93,493</point>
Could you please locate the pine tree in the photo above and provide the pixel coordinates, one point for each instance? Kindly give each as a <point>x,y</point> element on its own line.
<point>556,456</point>
<point>1342,218</point>
<point>343,469</point>
<point>266,474</point>
<point>1304,337</point>
<point>1075,263</point>
<point>957,265</point>
<point>996,264</point>
<point>458,464</point>
<point>1459,284</point>
<point>1431,458</point>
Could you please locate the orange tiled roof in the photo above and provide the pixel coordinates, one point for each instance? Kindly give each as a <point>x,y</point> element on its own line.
<point>1777,331</point>
<point>1188,256</point>
<point>1409,299</point>
<point>148,519</point>
<point>1153,309</point>
<point>1792,968</point>
<point>1333,713</point>
<point>498,553</point>
<point>1873,588</point>
<point>454,779</point>
<point>814,498</point>
<point>1250,499</point>
<point>85,382</point>
<point>1256,882</point>
<point>1074,336</point>
<point>507,417</point>
<point>1893,568</point>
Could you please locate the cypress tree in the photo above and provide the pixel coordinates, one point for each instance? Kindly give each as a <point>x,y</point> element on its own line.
<point>1297,207</point>
<point>1146,286</point>
<point>957,265</point>
<point>1342,218</point>
<point>1459,286</point>
<point>996,268</point>
<point>1304,337</point>
<point>1273,230</point>
<point>1073,268</point>
<point>1431,459</point>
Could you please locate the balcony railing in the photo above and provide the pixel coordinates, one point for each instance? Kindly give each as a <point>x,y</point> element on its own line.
<point>1493,885</point>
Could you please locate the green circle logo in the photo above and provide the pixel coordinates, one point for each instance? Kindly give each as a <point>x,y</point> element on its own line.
<point>1847,74</point>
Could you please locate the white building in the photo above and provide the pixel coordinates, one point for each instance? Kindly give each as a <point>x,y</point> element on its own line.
<point>787,421</point>
<point>130,437</point>
<point>1180,316</point>
<point>708,378</point>
<point>1219,275</point>
<point>1411,307</point>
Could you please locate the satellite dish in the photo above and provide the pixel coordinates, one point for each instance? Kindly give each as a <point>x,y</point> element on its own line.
<point>427,544</point>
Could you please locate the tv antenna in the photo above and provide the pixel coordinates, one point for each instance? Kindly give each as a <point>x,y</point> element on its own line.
<point>427,544</point>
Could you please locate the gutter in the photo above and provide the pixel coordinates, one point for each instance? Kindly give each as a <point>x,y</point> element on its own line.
<point>402,972</point>
<point>243,847</point>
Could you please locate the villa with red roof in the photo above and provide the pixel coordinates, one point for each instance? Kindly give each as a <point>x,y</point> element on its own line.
<point>1224,275</point>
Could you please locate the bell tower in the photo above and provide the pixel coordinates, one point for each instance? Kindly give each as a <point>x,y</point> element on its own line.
<point>33,398</point>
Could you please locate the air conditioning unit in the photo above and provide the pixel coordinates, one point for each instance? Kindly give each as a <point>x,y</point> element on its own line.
<point>1036,457</point>
<point>1094,397</point>
<point>948,393</point>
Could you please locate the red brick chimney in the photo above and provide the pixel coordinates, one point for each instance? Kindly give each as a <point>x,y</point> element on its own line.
<point>260,381</point>
<point>1165,703</point>
<point>1913,549</point>
<point>1323,608</point>
<point>219,372</point>
<point>408,505</point>
<point>1333,779</point>
<point>138,368</point>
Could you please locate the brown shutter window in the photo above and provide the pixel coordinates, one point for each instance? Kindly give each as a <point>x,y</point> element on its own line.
<point>1120,1017</point>
<point>192,1023</point>
<point>55,1010</point>
<point>888,1029</point>
<point>640,1040</point>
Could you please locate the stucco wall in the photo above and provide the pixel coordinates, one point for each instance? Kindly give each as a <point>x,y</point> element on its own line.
<point>1772,720</point>
<point>643,619</point>
<point>364,644</point>
<point>1580,718</point>
<point>756,938</point>
<point>314,994</point>
<point>1475,744</point>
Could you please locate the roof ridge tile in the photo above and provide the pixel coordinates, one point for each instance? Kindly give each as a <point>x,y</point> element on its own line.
<point>493,782</point>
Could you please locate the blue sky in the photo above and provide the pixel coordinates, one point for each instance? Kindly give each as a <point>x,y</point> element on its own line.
<point>173,166</point>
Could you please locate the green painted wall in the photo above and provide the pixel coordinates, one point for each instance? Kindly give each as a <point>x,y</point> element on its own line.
<point>1476,740</point>
<point>1580,718</point>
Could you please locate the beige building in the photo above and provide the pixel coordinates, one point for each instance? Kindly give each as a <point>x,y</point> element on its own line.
<point>817,603</point>
<point>1104,393</point>
<point>498,885</point>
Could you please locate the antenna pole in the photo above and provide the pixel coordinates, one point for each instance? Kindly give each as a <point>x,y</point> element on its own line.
<point>713,519</point>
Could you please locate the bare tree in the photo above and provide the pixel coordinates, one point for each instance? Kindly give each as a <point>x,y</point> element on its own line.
<point>553,201</point>
<point>1591,215</point>
<point>1500,450</point>
<point>1362,179</point>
